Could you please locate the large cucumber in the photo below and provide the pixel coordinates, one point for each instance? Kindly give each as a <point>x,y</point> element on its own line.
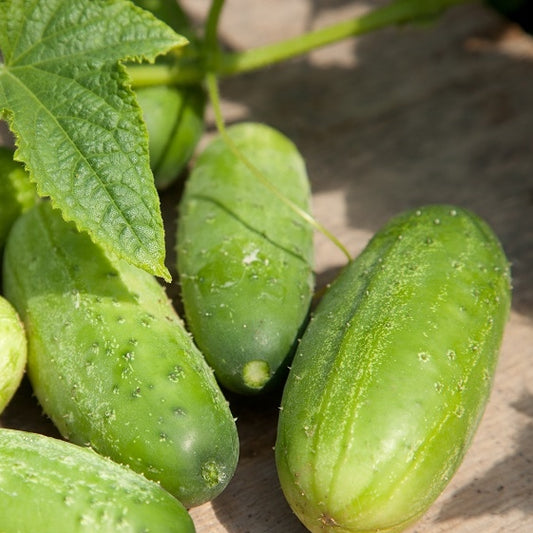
<point>244,258</point>
<point>111,362</point>
<point>392,375</point>
<point>52,486</point>
<point>13,352</point>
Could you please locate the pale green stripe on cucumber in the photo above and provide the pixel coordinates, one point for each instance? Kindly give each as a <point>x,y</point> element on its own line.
<point>50,486</point>
<point>393,373</point>
<point>13,352</point>
<point>111,362</point>
<point>245,258</point>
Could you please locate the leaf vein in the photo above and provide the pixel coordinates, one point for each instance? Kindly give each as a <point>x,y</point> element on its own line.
<point>83,158</point>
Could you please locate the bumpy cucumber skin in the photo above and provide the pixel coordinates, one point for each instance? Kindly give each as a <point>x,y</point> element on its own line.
<point>174,118</point>
<point>52,486</point>
<point>245,259</point>
<point>17,194</point>
<point>111,363</point>
<point>13,352</point>
<point>392,375</point>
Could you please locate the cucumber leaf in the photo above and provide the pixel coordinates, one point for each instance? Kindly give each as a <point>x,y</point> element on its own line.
<point>66,96</point>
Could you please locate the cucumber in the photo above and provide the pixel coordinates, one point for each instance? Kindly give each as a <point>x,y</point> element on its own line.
<point>13,352</point>
<point>244,258</point>
<point>111,363</point>
<point>52,486</point>
<point>17,194</point>
<point>392,375</point>
<point>174,115</point>
<point>174,118</point>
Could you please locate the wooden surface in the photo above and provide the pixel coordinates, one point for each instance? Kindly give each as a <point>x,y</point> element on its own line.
<point>392,120</point>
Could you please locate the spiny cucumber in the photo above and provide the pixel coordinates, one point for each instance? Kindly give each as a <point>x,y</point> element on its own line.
<point>245,258</point>
<point>111,363</point>
<point>392,375</point>
<point>51,486</point>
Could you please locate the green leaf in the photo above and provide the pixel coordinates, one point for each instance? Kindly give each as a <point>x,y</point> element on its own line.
<point>78,128</point>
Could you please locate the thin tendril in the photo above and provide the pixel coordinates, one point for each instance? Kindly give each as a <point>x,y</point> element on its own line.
<point>212,87</point>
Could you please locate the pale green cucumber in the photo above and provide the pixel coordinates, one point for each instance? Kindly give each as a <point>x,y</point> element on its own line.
<point>111,363</point>
<point>13,352</point>
<point>392,375</point>
<point>245,258</point>
<point>52,486</point>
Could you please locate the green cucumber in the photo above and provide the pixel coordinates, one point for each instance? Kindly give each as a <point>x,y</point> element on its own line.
<point>17,193</point>
<point>174,118</point>
<point>174,115</point>
<point>52,486</point>
<point>13,352</point>
<point>391,377</point>
<point>244,258</point>
<point>111,363</point>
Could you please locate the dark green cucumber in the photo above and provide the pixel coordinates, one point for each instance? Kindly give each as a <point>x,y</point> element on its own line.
<point>174,115</point>
<point>244,258</point>
<point>52,486</point>
<point>392,375</point>
<point>13,352</point>
<point>174,118</point>
<point>17,194</point>
<point>111,363</point>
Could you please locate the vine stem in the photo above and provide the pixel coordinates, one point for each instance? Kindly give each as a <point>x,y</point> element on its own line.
<point>232,63</point>
<point>211,45</point>
<point>214,96</point>
<point>398,12</point>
